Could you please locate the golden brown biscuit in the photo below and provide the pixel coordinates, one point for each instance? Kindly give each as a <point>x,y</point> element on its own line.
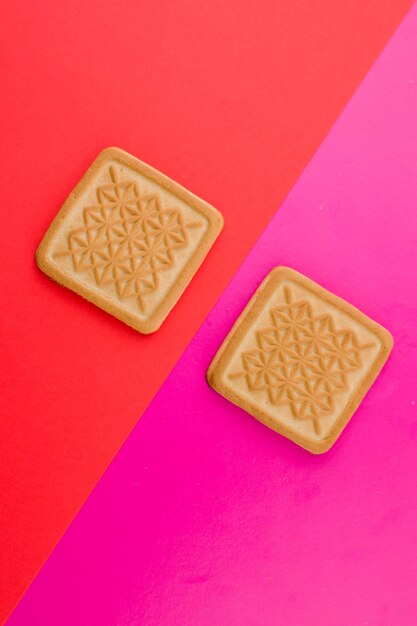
<point>300,359</point>
<point>129,239</point>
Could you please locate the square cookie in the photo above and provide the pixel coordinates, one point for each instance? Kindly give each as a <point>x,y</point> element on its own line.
<point>129,239</point>
<point>300,359</point>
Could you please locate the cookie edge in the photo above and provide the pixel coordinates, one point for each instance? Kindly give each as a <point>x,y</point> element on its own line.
<point>215,225</point>
<point>214,374</point>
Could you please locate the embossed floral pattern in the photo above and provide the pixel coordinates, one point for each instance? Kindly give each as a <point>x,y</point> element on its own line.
<point>302,360</point>
<point>127,239</point>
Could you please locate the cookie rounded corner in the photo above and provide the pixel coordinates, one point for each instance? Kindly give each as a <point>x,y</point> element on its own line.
<point>387,339</point>
<point>110,152</point>
<point>148,328</point>
<point>220,220</point>
<point>213,377</point>
<point>283,271</point>
<point>41,258</point>
<point>322,446</point>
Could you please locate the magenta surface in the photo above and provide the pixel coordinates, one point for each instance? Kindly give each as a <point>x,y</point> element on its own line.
<point>206,517</point>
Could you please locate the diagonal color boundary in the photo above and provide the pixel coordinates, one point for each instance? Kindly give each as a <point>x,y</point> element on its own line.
<point>238,100</point>
<point>206,517</point>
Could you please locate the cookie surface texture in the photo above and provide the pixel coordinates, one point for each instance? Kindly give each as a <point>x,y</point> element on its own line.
<point>129,239</point>
<point>300,359</point>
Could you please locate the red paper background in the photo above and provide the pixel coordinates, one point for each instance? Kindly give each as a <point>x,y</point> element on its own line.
<point>229,98</point>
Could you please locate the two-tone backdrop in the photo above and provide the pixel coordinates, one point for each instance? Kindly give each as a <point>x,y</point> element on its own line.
<point>205,517</point>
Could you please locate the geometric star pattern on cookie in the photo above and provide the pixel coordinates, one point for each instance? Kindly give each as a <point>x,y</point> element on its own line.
<point>127,239</point>
<point>301,360</point>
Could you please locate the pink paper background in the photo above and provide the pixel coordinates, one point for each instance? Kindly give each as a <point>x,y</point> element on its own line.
<point>206,517</point>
